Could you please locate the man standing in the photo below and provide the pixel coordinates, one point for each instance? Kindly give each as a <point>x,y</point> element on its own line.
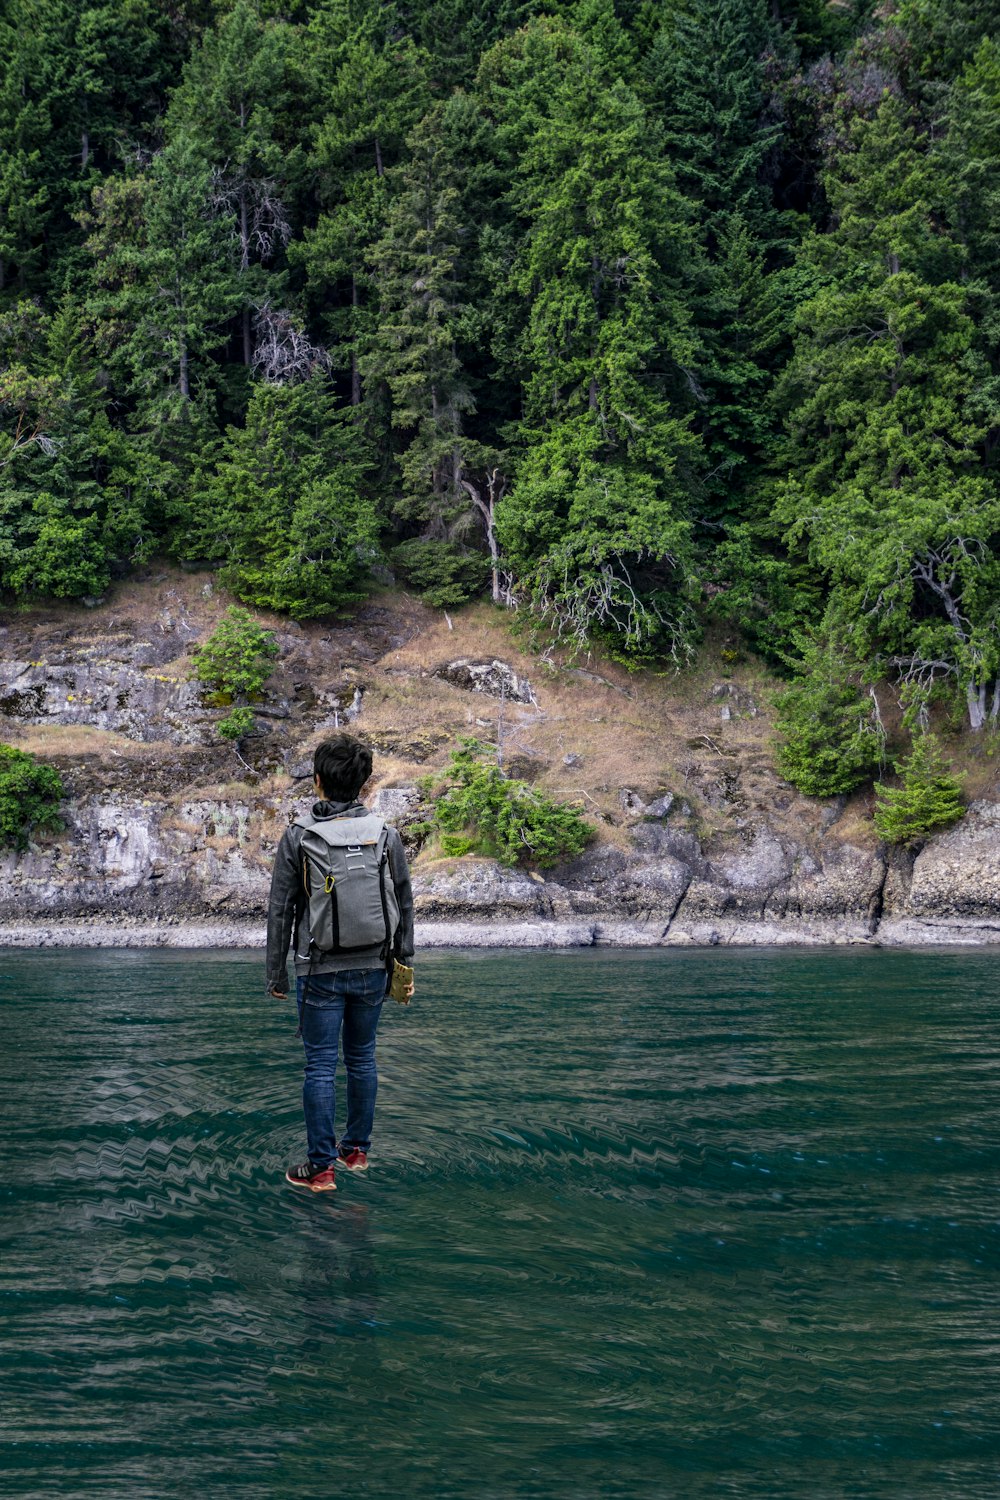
<point>341,889</point>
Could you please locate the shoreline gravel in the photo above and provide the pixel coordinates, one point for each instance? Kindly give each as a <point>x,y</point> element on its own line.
<point>173,932</point>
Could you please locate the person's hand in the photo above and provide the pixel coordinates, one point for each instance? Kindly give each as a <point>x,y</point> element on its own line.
<point>277,994</point>
<point>408,992</point>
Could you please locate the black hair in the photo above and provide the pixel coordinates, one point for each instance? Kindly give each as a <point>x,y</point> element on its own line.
<point>343,765</point>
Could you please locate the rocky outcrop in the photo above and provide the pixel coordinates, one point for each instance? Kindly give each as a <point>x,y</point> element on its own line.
<point>771,892</point>
<point>147,859</point>
<point>147,869</point>
<point>496,678</point>
<point>170,832</point>
<point>666,893</point>
<point>119,685</point>
<point>950,892</point>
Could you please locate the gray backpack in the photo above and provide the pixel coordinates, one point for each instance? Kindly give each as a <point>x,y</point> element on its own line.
<point>347,884</point>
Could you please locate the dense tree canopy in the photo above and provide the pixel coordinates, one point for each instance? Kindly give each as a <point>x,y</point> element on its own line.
<point>633,314</point>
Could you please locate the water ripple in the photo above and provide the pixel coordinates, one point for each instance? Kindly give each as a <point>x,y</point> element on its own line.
<point>660,1225</point>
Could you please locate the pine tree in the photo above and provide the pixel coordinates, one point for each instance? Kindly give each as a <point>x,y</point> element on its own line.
<point>929,798</point>
<point>372,82</point>
<point>25,128</point>
<point>884,484</point>
<point>286,509</point>
<point>968,158</point>
<point>80,78</point>
<point>162,293</point>
<point>237,104</point>
<point>414,347</point>
<point>831,735</point>
<point>944,34</point>
<point>62,525</point>
<point>593,526</point>
<point>704,77</point>
<point>457,32</point>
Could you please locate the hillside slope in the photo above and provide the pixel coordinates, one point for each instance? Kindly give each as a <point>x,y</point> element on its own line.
<point>170,830</point>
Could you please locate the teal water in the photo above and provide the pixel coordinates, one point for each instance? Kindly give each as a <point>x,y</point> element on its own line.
<point>671,1224</point>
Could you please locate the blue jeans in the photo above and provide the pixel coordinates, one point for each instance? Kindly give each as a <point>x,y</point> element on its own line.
<point>351,999</point>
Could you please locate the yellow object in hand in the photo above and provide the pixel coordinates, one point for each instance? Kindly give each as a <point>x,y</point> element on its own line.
<point>401,984</point>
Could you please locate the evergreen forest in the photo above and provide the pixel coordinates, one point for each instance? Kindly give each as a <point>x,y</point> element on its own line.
<point>636,315</point>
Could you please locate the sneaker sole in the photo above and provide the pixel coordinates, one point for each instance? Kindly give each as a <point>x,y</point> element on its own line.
<point>345,1168</point>
<point>311,1187</point>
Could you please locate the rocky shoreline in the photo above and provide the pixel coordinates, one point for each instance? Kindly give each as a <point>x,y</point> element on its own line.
<point>136,875</point>
<point>169,833</point>
<point>525,935</point>
<point>553,934</point>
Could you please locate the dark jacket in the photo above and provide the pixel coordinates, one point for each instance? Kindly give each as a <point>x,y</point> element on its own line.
<point>284,905</point>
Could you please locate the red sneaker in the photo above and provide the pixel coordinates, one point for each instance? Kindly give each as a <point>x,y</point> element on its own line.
<point>316,1179</point>
<point>354,1161</point>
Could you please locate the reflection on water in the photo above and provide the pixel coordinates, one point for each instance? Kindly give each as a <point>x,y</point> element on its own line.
<point>638,1225</point>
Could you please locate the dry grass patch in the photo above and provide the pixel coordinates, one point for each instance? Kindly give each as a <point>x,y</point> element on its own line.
<point>480,631</point>
<point>854,826</point>
<point>392,770</point>
<point>174,824</point>
<point>46,740</point>
<point>650,731</point>
<point>227,844</point>
<point>217,791</point>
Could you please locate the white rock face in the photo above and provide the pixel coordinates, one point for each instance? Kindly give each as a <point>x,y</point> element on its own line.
<point>953,893</point>
<point>144,858</point>
<point>396,804</point>
<point>142,703</point>
<point>496,678</point>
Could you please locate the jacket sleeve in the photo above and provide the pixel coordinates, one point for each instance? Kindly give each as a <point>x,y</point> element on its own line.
<point>281,910</point>
<point>400,871</point>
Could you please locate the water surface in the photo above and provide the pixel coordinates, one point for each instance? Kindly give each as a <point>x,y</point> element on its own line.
<point>664,1224</point>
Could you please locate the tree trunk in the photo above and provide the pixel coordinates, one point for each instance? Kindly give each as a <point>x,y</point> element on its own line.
<point>183,377</point>
<point>995,707</point>
<point>495,485</point>
<point>244,231</point>
<point>84,150</point>
<point>595,292</point>
<point>976,700</point>
<point>245,258</point>
<point>355,372</point>
<point>378,159</point>
<point>491,542</point>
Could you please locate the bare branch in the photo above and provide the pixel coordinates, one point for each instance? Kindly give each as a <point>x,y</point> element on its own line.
<point>261,220</point>
<point>282,352</point>
<point>605,598</point>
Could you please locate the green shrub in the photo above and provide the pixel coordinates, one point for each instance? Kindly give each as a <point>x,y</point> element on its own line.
<point>832,740</point>
<point>235,662</point>
<point>30,794</point>
<point>496,815</point>
<point>456,844</point>
<point>236,724</point>
<point>442,573</point>
<point>930,796</point>
<point>238,656</point>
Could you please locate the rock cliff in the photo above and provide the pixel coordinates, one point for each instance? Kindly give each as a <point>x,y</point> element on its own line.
<point>170,831</point>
